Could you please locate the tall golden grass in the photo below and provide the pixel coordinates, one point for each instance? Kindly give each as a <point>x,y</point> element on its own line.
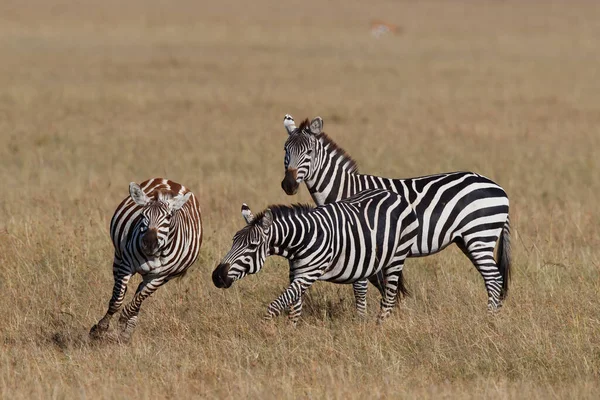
<point>94,95</point>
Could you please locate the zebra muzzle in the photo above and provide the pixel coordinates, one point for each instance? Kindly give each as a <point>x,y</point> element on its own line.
<point>150,242</point>
<point>289,183</point>
<point>220,278</point>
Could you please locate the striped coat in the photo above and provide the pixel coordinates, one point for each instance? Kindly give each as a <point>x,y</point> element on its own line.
<point>464,208</point>
<point>156,232</point>
<point>342,242</point>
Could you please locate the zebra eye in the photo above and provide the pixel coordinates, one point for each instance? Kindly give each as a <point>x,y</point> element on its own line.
<point>309,151</point>
<point>143,228</point>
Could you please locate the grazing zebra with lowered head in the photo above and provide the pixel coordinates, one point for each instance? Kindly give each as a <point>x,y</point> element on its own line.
<point>341,242</point>
<point>457,207</point>
<point>156,232</point>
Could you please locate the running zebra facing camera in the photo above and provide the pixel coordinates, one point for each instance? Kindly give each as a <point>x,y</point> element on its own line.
<point>457,207</point>
<point>156,232</point>
<point>342,242</point>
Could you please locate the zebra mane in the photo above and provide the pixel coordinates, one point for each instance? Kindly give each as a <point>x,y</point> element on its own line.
<point>164,195</point>
<point>331,147</point>
<point>304,125</point>
<point>283,211</point>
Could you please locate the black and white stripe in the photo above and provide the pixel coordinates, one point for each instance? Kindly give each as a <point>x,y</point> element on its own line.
<point>342,242</point>
<point>156,232</point>
<point>458,207</point>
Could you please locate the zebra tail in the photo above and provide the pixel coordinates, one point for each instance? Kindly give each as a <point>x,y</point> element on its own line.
<point>504,254</point>
<point>401,287</point>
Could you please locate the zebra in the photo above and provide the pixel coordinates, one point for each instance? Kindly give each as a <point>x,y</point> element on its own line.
<point>156,232</point>
<point>340,242</point>
<point>457,207</point>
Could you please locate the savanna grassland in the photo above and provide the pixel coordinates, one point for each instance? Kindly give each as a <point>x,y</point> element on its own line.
<point>94,95</point>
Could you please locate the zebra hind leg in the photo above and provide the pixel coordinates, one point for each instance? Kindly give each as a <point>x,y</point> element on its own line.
<point>481,255</point>
<point>392,273</point>
<point>360,296</point>
<point>129,315</point>
<point>378,280</point>
<point>116,301</point>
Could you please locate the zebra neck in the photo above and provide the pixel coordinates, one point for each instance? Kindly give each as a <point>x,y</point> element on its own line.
<point>334,174</point>
<point>290,235</point>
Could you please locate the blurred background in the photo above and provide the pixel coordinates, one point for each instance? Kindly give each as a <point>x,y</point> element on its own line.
<point>94,95</point>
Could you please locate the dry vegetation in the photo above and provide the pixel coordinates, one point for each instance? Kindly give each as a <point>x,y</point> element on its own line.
<point>94,95</point>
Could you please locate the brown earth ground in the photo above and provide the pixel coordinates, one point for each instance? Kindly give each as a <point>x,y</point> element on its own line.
<point>94,95</point>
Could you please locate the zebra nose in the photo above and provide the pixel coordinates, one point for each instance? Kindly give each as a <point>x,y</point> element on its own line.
<point>150,241</point>
<point>289,183</point>
<point>220,278</point>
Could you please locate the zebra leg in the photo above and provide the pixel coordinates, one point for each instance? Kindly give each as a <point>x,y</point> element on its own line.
<point>291,295</point>
<point>116,301</point>
<point>392,274</point>
<point>296,307</point>
<point>129,315</point>
<point>481,255</point>
<point>378,281</point>
<point>295,311</point>
<point>360,295</point>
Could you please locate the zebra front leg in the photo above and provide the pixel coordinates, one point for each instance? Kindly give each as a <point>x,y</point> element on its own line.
<point>360,296</point>
<point>290,296</point>
<point>296,307</point>
<point>392,274</point>
<point>116,301</point>
<point>129,315</point>
<point>295,311</point>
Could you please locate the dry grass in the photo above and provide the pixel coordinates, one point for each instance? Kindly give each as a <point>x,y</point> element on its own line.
<point>94,95</point>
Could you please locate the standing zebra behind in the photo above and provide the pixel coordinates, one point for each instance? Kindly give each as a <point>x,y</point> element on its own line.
<point>156,232</point>
<point>458,207</point>
<point>341,242</point>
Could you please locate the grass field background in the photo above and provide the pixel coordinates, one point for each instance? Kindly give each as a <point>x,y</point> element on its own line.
<point>94,95</point>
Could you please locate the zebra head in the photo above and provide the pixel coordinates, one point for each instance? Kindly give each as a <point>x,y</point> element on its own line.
<point>155,219</point>
<point>248,251</point>
<point>299,151</point>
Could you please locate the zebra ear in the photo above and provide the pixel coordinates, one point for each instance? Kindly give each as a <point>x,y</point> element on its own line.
<point>267,219</point>
<point>178,201</point>
<point>289,124</point>
<point>247,214</point>
<point>316,126</point>
<point>138,195</point>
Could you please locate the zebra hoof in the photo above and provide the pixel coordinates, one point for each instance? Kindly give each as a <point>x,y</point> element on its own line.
<point>123,322</point>
<point>97,331</point>
<point>494,308</point>
<point>269,315</point>
<point>382,318</point>
<point>293,323</point>
<point>124,338</point>
<point>267,318</point>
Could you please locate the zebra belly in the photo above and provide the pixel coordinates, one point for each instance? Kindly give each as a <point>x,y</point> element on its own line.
<point>484,227</point>
<point>415,251</point>
<point>351,269</point>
